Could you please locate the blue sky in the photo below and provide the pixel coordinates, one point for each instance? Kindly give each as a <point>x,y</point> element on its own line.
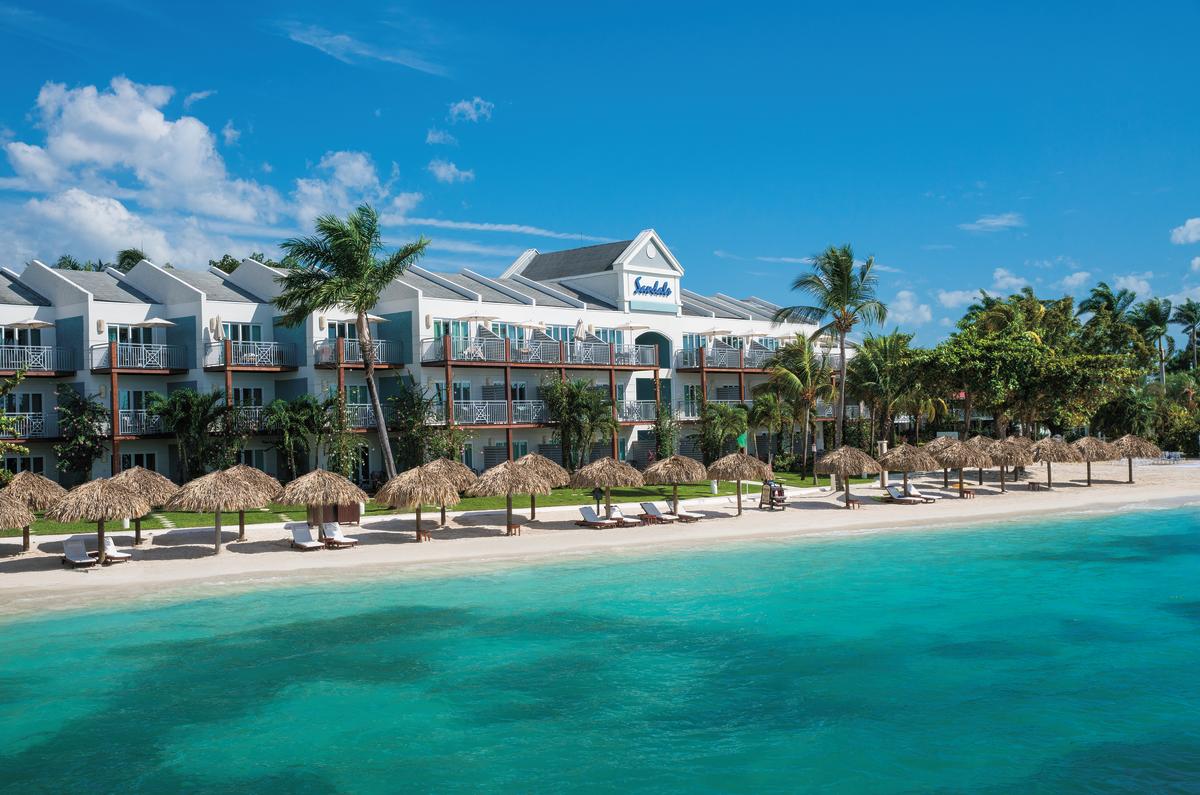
<point>965,146</point>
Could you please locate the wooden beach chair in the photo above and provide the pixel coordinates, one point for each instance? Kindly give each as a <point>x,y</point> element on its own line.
<point>75,554</point>
<point>652,514</point>
<point>334,538</point>
<point>302,538</point>
<point>590,519</point>
<point>896,495</point>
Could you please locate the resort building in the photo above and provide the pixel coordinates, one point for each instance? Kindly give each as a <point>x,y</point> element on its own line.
<point>617,314</point>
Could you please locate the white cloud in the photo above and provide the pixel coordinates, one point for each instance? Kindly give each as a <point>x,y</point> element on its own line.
<point>196,96</point>
<point>994,223</point>
<point>721,253</point>
<point>907,311</point>
<point>786,260</point>
<point>401,219</point>
<point>436,136</point>
<point>1137,282</point>
<point>1075,280</point>
<point>471,110</point>
<point>404,203</point>
<point>937,247</point>
<point>445,171</point>
<point>1195,264</point>
<point>1189,232</point>
<point>230,133</point>
<point>952,299</point>
<point>468,247</point>
<point>1004,279</point>
<point>350,179</point>
<point>350,50</point>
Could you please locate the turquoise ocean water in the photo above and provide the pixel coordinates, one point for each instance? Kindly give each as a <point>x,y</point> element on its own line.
<point>1062,656</point>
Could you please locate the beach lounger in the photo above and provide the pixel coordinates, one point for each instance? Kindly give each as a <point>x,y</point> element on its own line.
<point>334,538</point>
<point>622,521</point>
<point>111,553</point>
<point>302,538</point>
<point>590,519</point>
<point>75,554</point>
<point>688,516</point>
<point>898,496</point>
<point>652,514</point>
<point>913,491</point>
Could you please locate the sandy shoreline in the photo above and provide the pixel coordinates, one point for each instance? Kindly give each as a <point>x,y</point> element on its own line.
<point>179,564</point>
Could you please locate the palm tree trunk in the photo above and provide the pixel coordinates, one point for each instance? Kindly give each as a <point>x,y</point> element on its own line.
<point>804,435</point>
<point>841,412</point>
<point>1162,363</point>
<point>368,354</point>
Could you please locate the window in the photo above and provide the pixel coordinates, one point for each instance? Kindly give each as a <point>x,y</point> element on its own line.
<point>466,457</point>
<point>692,342</point>
<point>455,328</point>
<point>613,335</point>
<point>247,396</point>
<point>520,448</point>
<point>561,333</point>
<point>25,463</point>
<point>134,399</point>
<point>518,390</point>
<point>356,395</point>
<point>692,393</point>
<point>242,332</point>
<point>732,342</point>
<point>144,460</point>
<point>21,336</point>
<point>509,331</point>
<point>462,390</point>
<point>25,403</point>
<point>620,392</point>
<point>252,458</point>
<point>133,335</point>
<point>342,329</point>
<point>621,448</point>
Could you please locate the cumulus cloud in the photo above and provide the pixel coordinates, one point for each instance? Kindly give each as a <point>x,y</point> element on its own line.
<point>435,136</point>
<point>445,171</point>
<point>994,223</point>
<point>474,109</point>
<point>196,96</point>
<point>344,180</point>
<point>1137,282</point>
<point>1075,280</point>
<point>952,299</point>
<point>230,134</point>
<point>1195,264</point>
<point>1004,279</point>
<point>906,310</point>
<point>1189,232</point>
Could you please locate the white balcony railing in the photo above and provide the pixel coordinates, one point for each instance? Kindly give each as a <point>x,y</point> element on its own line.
<point>31,425</point>
<point>36,358</point>
<point>481,412</point>
<point>138,423</point>
<point>250,354</point>
<point>326,351</point>
<point>528,412</point>
<point>636,410</point>
<point>131,356</point>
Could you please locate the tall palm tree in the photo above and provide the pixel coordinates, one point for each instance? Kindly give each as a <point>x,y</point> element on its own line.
<point>1152,318</point>
<point>720,422</point>
<point>1187,315</point>
<point>193,417</point>
<point>582,415</point>
<point>802,377</point>
<point>843,295</point>
<point>883,373</point>
<point>340,267</point>
<point>1102,298</point>
<point>768,411</point>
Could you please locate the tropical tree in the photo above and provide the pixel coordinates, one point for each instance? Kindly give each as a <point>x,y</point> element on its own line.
<point>81,431</point>
<point>340,266</point>
<point>582,413</point>
<point>882,373</point>
<point>129,257</point>
<point>1153,318</point>
<point>843,295</point>
<point>1103,299</point>
<point>290,422</point>
<point>770,411</point>
<point>719,423</point>
<point>802,377</point>
<point>666,430</point>
<point>1187,315</point>
<point>198,421</point>
<point>343,447</point>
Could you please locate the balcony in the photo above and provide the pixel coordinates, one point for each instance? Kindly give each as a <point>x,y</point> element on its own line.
<point>691,409</point>
<point>488,350</point>
<point>481,412</point>
<point>327,352</point>
<point>636,410</point>
<point>529,412</point>
<point>32,425</point>
<point>36,359</point>
<point>246,419</point>
<point>139,357</point>
<point>137,423</point>
<point>249,355</point>
<point>757,358</point>
<point>360,415</point>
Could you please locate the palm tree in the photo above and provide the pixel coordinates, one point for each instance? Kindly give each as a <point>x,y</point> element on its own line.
<point>720,422</point>
<point>803,378</point>
<point>340,267</point>
<point>922,404</point>
<point>193,417</point>
<point>128,257</point>
<point>843,294</point>
<point>582,413</point>
<point>1187,315</point>
<point>768,411</point>
<point>883,374</point>
<point>1101,298</point>
<point>1152,318</point>
<point>291,420</point>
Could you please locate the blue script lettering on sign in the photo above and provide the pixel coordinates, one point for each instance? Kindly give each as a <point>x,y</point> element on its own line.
<point>661,289</point>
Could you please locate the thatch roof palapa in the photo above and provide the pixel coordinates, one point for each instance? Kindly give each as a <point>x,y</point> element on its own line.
<point>13,514</point>
<point>1053,450</point>
<point>844,462</point>
<point>507,479</point>
<point>672,471</point>
<point>36,491</point>
<point>99,501</point>
<point>419,486</point>
<point>151,485</point>
<point>321,487</point>
<point>458,474</point>
<point>267,486</point>
<point>962,455</point>
<point>905,458</point>
<point>551,472</point>
<point>1132,447</point>
<point>737,467</point>
<point>1092,449</point>
<point>216,493</point>
<point>1009,453</point>
<point>933,445</point>
<point>607,473</point>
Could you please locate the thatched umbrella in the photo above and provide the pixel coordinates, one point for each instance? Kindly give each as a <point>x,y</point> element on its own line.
<point>551,472</point>
<point>34,491</point>
<point>960,456</point>
<point>458,473</point>
<point>321,487</point>
<point>984,444</point>
<point>266,486</point>
<point>1009,453</point>
<point>100,500</point>
<point>1053,450</point>
<point>606,473</point>
<point>906,458</point>
<point>936,444</point>
<point>674,470</point>
<point>844,462</point>
<point>1093,449</point>
<point>154,487</point>
<point>423,485</point>
<point>738,467</point>
<point>508,479</point>
<point>13,514</point>
<point>216,493</point>
<point>1133,447</point>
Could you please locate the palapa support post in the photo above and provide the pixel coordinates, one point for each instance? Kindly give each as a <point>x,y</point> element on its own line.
<point>846,483</point>
<point>217,534</point>
<point>137,530</point>
<point>981,476</point>
<point>420,537</point>
<point>443,516</point>
<point>739,498</point>
<point>607,502</point>
<point>1049,479</point>
<point>508,522</point>
<point>1002,489</point>
<point>532,507</point>
<point>1130,469</point>
<point>1089,472</point>
<point>962,491</point>
<point>675,498</point>
<point>25,538</point>
<point>100,542</point>
<point>241,525</point>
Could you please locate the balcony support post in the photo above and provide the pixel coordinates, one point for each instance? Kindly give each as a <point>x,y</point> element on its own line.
<point>508,396</point>
<point>562,357</point>
<point>449,380</point>
<point>612,395</point>
<point>115,403</point>
<point>703,379</point>
<point>742,386</point>
<point>228,373</point>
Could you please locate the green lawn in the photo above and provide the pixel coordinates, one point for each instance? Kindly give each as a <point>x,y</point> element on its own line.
<point>792,479</point>
<point>273,512</point>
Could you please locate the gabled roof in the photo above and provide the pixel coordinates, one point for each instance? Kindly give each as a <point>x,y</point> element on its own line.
<point>572,290</point>
<point>214,287</point>
<point>13,292</point>
<point>106,287</point>
<point>574,261</point>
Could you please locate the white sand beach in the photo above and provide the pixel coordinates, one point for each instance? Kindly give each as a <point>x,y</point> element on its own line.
<point>181,563</point>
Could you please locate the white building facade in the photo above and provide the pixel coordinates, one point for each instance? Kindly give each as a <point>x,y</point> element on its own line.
<point>617,314</point>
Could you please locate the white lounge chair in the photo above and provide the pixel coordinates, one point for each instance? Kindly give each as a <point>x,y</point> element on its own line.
<point>302,538</point>
<point>688,516</point>
<point>75,554</point>
<point>620,519</point>
<point>897,495</point>
<point>111,553</point>
<point>334,538</point>
<point>913,491</point>
<point>590,519</point>
<point>652,514</point>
